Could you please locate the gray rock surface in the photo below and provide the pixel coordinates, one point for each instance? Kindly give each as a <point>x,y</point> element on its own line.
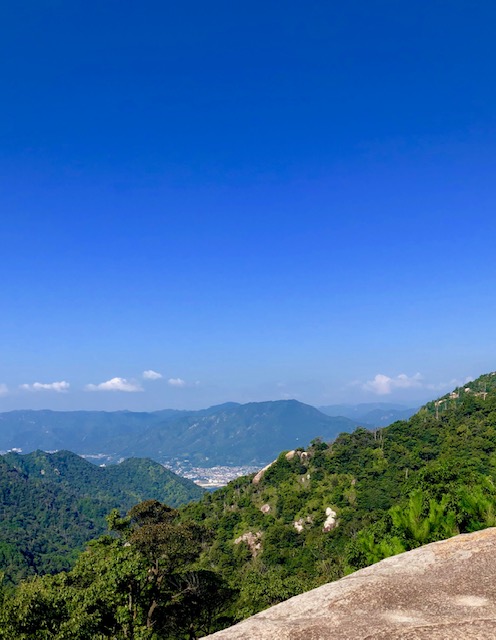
<point>445,590</point>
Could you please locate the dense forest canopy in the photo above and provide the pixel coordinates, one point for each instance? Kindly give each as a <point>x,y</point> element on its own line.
<point>52,504</point>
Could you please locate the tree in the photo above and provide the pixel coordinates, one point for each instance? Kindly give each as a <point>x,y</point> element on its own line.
<point>421,524</point>
<point>138,583</point>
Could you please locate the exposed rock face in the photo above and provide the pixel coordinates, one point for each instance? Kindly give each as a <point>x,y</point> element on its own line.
<point>443,591</point>
<point>299,525</point>
<point>302,455</point>
<point>258,476</point>
<point>253,540</point>
<point>330,521</point>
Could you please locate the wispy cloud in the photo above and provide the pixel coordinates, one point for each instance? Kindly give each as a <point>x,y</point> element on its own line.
<point>59,387</point>
<point>176,382</point>
<point>384,385</point>
<point>150,374</point>
<point>4,390</point>
<point>116,384</point>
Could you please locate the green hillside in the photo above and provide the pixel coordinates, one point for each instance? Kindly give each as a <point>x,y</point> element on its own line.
<point>53,504</point>
<point>313,516</point>
<point>386,491</point>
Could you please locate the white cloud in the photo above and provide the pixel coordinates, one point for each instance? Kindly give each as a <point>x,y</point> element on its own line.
<point>176,382</point>
<point>115,384</point>
<point>59,387</point>
<point>150,374</point>
<point>4,390</point>
<point>383,385</point>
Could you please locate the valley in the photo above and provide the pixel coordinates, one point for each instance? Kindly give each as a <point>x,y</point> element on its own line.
<point>210,477</point>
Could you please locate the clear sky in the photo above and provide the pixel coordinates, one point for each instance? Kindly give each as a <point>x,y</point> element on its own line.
<point>213,201</point>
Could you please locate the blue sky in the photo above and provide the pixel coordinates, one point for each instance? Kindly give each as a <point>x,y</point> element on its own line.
<point>252,200</point>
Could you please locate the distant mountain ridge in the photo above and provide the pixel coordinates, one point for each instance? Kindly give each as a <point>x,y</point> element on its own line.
<point>230,434</point>
<point>371,414</point>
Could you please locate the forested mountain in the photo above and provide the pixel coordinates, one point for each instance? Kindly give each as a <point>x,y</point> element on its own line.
<point>316,514</point>
<point>230,434</point>
<point>240,434</point>
<point>84,432</point>
<point>320,513</point>
<point>53,504</point>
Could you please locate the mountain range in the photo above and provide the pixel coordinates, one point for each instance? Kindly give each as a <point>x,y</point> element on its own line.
<point>227,434</point>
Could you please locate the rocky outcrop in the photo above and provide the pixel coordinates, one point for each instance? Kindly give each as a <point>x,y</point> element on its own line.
<point>252,540</point>
<point>330,521</point>
<point>258,476</point>
<point>442,591</point>
<point>302,455</point>
<point>300,524</point>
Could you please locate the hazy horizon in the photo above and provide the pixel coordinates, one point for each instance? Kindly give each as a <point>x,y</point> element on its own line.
<point>66,403</point>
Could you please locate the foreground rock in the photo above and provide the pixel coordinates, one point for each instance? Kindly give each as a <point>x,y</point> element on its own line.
<point>445,590</point>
